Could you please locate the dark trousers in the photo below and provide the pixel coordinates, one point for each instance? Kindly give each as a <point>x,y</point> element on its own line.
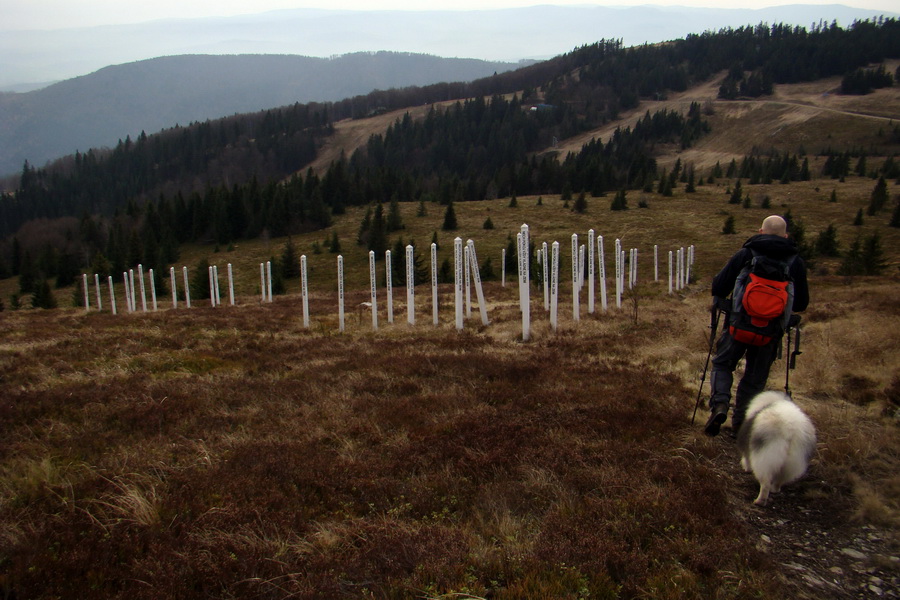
<point>759,360</point>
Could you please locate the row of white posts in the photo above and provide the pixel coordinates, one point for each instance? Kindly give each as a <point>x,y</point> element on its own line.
<point>466,274</point>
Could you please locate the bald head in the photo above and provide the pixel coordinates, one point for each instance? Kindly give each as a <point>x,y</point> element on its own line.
<point>774,225</point>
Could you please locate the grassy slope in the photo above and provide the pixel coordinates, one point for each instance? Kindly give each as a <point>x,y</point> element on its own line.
<point>232,453</point>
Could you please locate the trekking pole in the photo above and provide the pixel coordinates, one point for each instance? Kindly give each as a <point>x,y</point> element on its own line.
<point>792,356</point>
<point>713,325</point>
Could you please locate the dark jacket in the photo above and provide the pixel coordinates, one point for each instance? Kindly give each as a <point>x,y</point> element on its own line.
<point>775,247</point>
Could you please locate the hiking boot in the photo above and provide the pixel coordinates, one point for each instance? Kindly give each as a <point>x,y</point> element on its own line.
<point>719,414</point>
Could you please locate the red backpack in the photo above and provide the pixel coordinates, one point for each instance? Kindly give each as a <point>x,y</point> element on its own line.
<point>762,300</point>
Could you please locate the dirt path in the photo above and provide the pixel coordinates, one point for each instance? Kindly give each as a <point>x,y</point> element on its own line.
<point>821,552</point>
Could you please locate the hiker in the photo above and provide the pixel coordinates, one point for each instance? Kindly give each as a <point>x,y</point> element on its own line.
<point>772,242</point>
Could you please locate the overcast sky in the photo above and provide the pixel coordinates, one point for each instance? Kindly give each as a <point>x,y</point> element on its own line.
<point>54,14</point>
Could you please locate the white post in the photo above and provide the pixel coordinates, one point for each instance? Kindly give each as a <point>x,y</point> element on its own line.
<point>262,280</point>
<point>468,281</point>
<point>174,289</point>
<point>112,294</point>
<point>410,285</point>
<point>269,278</point>
<point>590,271</point>
<point>373,290</point>
<point>153,290</point>
<point>388,270</point>
<point>340,274</point>
<point>618,273</point>
<point>554,287</point>
<point>458,281</point>
<point>230,285</point>
<point>473,258</point>
<point>632,268</point>
<point>187,287</point>
<point>670,271</point>
<point>127,293</point>
<point>525,282</point>
<point>655,262</point>
<point>87,293</point>
<point>434,284</point>
<point>545,271</point>
<point>216,279</point>
<point>212,288</point>
<point>602,273</point>
<point>132,290</point>
<point>503,268</point>
<point>97,287</point>
<point>304,290</point>
<point>581,259</point>
<point>576,308</point>
<point>690,264</point>
<point>143,288</point>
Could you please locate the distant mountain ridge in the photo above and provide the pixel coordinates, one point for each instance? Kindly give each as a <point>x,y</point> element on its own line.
<point>98,109</point>
<point>536,32</point>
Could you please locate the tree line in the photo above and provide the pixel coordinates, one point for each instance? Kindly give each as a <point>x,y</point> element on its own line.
<point>242,176</point>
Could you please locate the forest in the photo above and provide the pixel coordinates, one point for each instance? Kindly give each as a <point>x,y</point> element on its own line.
<point>246,176</point>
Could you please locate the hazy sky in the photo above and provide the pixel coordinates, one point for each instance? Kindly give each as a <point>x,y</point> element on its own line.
<point>53,14</point>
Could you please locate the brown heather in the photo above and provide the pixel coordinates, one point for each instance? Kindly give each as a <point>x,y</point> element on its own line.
<point>232,453</point>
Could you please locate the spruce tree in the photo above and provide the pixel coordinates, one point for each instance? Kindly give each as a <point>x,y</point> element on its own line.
<point>43,296</point>
<point>580,205</point>
<point>872,256</point>
<point>450,223</point>
<point>858,221</point>
<point>200,280</point>
<point>378,241</point>
<point>878,198</point>
<point>827,242</point>
<point>728,227</point>
<point>334,246</point>
<point>394,220</point>
<point>737,194</point>
<point>290,262</point>
<point>895,217</point>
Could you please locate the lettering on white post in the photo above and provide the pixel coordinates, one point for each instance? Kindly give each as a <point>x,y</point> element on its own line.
<point>410,285</point>
<point>458,281</point>
<point>340,270</point>
<point>373,290</point>
<point>304,291</point>
<point>434,284</point>
<point>554,287</point>
<point>388,270</point>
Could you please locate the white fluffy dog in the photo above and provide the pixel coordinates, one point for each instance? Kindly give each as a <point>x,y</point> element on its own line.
<point>776,441</point>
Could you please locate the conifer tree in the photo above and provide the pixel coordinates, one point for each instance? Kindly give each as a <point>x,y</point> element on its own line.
<point>737,194</point>
<point>878,198</point>
<point>200,280</point>
<point>450,223</point>
<point>394,220</point>
<point>827,242</point>
<point>728,227</point>
<point>858,221</point>
<point>290,262</point>
<point>895,217</point>
<point>43,296</point>
<point>334,246</point>
<point>580,205</point>
<point>378,241</point>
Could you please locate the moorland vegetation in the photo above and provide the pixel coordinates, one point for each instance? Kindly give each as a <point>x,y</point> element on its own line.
<point>233,452</point>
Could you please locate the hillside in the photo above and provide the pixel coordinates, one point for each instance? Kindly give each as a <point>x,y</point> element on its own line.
<point>96,110</point>
<point>234,452</point>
